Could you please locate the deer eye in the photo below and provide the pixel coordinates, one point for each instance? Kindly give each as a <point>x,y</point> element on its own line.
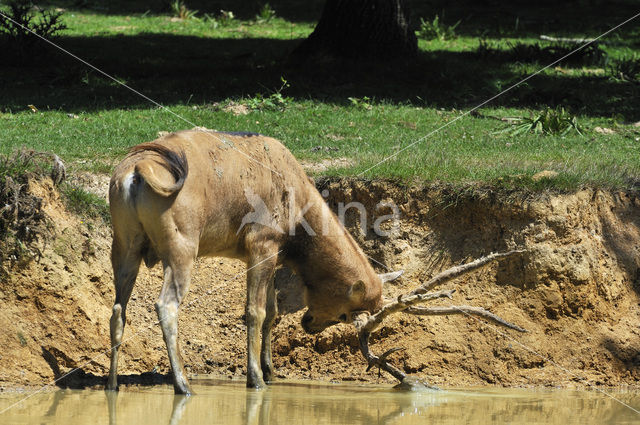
<point>343,317</point>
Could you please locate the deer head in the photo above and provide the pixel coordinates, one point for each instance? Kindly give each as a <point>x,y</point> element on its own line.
<point>332,304</point>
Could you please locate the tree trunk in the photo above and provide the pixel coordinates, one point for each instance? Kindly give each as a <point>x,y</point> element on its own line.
<point>360,29</point>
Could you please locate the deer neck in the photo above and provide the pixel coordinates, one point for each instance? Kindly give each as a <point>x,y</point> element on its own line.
<point>329,253</point>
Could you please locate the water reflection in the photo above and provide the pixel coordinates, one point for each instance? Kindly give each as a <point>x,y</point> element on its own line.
<point>179,404</point>
<point>53,408</point>
<point>258,407</point>
<point>230,403</point>
<point>273,406</point>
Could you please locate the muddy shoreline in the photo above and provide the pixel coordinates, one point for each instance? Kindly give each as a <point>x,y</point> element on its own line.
<point>575,290</point>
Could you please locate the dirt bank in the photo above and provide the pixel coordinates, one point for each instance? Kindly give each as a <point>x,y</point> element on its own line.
<point>575,290</point>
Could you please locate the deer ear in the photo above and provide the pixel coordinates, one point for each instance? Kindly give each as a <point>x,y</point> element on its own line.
<point>357,291</point>
<point>388,277</point>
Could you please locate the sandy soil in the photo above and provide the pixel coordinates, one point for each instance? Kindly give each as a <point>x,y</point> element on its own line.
<point>575,290</point>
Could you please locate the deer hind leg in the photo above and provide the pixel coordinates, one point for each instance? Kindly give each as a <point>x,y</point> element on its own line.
<point>177,275</point>
<point>260,273</point>
<point>126,263</point>
<point>267,325</point>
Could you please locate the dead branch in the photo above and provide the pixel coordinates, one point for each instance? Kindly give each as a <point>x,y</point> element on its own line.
<point>402,303</point>
<point>463,309</point>
<point>368,323</point>
<point>381,362</point>
<point>456,271</point>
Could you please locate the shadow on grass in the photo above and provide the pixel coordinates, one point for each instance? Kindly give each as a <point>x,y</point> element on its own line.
<point>495,19</point>
<point>485,18</point>
<point>186,69</point>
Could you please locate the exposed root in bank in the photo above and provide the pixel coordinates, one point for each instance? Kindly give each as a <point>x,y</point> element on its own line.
<point>23,224</point>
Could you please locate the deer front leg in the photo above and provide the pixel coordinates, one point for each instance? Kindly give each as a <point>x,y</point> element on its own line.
<point>267,325</point>
<point>261,268</point>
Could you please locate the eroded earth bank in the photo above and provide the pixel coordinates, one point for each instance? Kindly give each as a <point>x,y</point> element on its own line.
<point>575,290</point>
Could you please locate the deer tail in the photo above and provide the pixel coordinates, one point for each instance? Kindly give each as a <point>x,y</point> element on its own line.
<point>153,172</point>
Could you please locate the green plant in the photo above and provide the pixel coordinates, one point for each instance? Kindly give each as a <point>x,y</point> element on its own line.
<point>361,103</point>
<point>551,121</point>
<point>22,339</point>
<point>266,14</point>
<point>223,19</point>
<point>17,28</point>
<point>275,101</point>
<point>180,10</point>
<point>85,203</point>
<point>625,69</point>
<point>226,17</point>
<point>436,30</point>
<point>210,19</point>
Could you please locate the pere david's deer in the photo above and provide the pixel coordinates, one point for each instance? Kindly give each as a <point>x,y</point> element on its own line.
<point>238,195</point>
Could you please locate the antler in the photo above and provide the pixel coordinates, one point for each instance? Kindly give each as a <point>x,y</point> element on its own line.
<point>367,323</point>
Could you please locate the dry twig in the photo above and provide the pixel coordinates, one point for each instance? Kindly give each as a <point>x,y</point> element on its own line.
<point>368,323</point>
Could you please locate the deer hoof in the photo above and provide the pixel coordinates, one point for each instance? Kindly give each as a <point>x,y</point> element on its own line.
<point>182,390</point>
<point>267,376</point>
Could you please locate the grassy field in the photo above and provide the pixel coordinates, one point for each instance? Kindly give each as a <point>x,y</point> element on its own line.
<point>205,68</point>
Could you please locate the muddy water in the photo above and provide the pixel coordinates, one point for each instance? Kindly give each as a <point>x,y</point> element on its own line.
<point>303,403</point>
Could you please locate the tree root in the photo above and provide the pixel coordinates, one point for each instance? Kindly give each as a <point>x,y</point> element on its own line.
<point>23,224</point>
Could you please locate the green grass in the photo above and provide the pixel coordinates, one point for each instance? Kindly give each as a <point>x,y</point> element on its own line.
<point>197,68</point>
<point>85,203</point>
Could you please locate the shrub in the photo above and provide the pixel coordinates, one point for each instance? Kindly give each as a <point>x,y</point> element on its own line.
<point>274,102</point>
<point>436,30</point>
<point>551,121</point>
<point>17,39</point>
<point>266,14</point>
<point>180,10</point>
